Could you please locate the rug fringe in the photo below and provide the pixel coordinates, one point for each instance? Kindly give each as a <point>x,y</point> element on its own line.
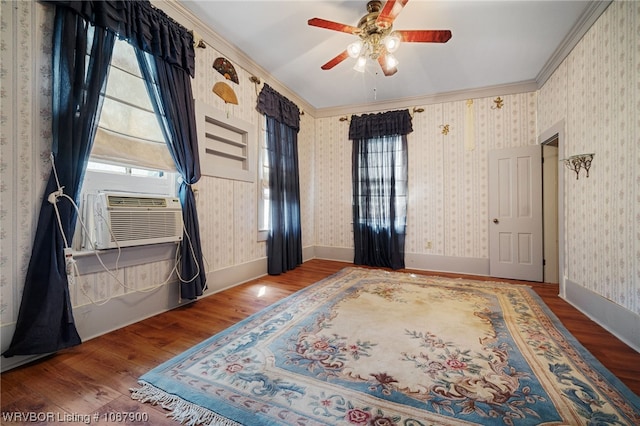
<point>185,412</point>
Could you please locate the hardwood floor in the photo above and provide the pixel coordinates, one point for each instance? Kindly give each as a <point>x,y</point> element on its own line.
<point>94,379</point>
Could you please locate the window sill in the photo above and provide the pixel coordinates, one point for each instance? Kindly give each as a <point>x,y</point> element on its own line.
<point>88,262</point>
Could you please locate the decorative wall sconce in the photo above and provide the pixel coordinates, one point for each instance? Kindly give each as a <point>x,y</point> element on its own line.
<point>499,103</point>
<point>445,129</point>
<point>577,162</point>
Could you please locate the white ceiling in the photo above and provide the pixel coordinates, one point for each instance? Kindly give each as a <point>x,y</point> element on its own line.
<point>494,43</point>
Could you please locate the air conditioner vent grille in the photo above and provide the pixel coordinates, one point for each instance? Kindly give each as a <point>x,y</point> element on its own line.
<point>126,220</point>
<point>145,202</point>
<point>128,225</point>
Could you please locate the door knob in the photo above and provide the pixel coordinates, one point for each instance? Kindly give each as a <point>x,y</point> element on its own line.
<point>495,220</point>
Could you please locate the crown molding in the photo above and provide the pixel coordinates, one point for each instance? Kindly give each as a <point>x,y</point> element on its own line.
<point>181,14</point>
<point>459,95</point>
<point>586,20</point>
<point>176,10</point>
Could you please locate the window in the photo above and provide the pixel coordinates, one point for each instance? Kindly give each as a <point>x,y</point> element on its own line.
<point>380,201</point>
<point>128,131</point>
<point>384,184</point>
<point>129,153</point>
<point>263,179</point>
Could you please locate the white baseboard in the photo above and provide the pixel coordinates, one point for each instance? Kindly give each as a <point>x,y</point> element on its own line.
<point>617,320</point>
<point>342,254</point>
<point>93,321</point>
<point>423,262</point>
<point>308,253</point>
<point>457,265</point>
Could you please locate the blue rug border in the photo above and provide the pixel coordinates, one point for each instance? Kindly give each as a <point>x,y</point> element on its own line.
<point>155,380</point>
<point>584,353</point>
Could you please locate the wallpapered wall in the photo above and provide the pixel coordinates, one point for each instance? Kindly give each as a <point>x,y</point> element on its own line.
<point>227,209</point>
<point>448,179</point>
<point>596,91</point>
<point>25,142</point>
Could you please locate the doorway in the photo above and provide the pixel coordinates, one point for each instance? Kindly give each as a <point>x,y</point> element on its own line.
<point>550,210</point>
<point>554,137</point>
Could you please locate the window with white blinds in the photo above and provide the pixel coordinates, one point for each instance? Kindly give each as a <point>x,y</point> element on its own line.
<point>128,131</point>
<point>129,153</point>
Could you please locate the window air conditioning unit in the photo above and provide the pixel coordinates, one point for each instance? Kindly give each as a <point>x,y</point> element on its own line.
<point>125,220</point>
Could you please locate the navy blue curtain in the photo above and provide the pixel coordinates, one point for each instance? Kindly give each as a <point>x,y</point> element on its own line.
<point>169,88</point>
<point>45,321</point>
<point>142,25</point>
<point>379,179</point>
<point>284,243</point>
<point>84,35</point>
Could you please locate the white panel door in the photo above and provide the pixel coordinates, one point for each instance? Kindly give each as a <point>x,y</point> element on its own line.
<point>515,213</point>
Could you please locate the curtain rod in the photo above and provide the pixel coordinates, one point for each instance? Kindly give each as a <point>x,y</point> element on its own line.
<point>413,112</point>
<point>256,81</point>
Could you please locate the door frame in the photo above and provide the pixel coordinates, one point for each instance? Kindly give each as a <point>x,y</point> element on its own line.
<point>550,211</point>
<point>558,131</point>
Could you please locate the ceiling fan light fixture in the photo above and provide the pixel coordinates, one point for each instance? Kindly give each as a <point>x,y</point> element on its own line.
<point>390,61</point>
<point>360,64</point>
<point>392,42</point>
<point>376,38</point>
<point>354,49</point>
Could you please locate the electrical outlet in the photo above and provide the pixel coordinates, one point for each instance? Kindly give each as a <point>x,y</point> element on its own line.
<point>428,245</point>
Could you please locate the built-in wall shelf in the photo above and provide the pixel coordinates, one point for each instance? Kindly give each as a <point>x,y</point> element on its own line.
<point>226,145</point>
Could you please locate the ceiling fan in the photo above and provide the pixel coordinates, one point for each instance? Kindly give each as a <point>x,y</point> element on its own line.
<point>377,40</point>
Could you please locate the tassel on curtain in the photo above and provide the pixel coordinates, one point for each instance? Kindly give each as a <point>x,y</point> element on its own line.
<point>284,243</point>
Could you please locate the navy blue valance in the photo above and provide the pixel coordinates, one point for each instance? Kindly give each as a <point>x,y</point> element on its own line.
<point>391,123</point>
<point>274,105</point>
<point>142,25</point>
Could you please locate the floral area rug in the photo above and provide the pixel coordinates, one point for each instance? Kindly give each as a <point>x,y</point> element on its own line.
<point>369,347</point>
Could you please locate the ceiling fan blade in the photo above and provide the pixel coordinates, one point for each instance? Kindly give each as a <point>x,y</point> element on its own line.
<point>390,11</point>
<point>335,26</point>
<point>382,60</point>
<point>425,36</point>
<point>335,61</point>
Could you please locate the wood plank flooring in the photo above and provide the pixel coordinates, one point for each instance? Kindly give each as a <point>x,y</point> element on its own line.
<point>94,379</point>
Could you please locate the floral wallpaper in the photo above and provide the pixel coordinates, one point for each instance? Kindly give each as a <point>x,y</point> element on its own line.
<point>25,142</point>
<point>596,91</point>
<point>448,194</point>
<point>227,209</point>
